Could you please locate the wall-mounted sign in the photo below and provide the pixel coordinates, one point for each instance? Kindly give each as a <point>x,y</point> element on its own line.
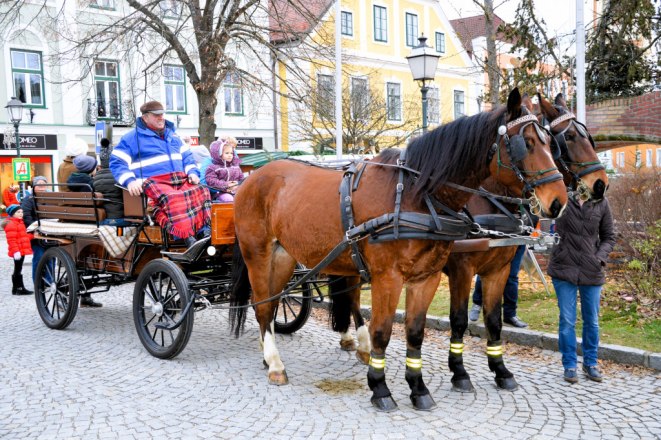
<point>33,142</point>
<point>244,143</point>
<point>21,167</point>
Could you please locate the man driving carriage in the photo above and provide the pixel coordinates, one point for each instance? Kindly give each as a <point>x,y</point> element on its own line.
<point>152,158</point>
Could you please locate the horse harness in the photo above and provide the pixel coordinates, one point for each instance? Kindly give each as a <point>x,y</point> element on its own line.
<point>563,152</point>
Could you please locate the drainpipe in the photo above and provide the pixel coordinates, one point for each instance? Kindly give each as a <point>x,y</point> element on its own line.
<point>275,106</point>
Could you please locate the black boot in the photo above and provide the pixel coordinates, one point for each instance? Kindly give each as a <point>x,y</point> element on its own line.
<point>14,285</point>
<point>87,301</point>
<point>19,287</point>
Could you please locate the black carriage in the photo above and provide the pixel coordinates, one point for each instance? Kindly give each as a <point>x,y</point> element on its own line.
<point>171,283</point>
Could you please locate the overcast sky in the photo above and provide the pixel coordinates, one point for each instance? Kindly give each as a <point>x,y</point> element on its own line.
<point>559,15</point>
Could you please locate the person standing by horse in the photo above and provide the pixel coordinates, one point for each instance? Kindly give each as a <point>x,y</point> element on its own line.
<point>153,159</point>
<point>510,294</point>
<point>577,265</point>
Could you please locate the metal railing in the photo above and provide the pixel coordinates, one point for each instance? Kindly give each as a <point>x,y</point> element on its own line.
<point>121,114</point>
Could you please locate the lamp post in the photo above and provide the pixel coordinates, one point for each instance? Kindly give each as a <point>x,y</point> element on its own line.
<point>423,62</point>
<point>15,110</point>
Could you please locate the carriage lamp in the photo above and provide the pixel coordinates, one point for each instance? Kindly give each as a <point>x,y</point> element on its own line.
<point>15,110</point>
<point>422,62</point>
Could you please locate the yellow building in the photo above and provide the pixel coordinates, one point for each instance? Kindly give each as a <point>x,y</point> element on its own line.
<point>381,101</point>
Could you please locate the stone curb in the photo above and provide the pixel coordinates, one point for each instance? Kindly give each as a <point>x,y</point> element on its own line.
<point>532,338</point>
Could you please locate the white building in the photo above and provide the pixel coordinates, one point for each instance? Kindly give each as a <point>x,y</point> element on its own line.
<point>65,95</point>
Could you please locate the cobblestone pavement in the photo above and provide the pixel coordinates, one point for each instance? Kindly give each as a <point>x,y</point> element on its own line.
<point>95,380</point>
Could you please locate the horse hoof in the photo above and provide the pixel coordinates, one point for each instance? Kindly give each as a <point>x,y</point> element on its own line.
<point>463,386</point>
<point>424,402</point>
<point>384,404</point>
<point>363,357</point>
<point>507,383</point>
<point>347,345</point>
<point>278,378</point>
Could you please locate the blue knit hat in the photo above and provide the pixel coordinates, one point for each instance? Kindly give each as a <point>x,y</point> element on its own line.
<point>11,209</point>
<point>84,163</point>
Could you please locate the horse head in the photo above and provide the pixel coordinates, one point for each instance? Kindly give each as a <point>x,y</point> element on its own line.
<point>521,160</point>
<point>575,149</point>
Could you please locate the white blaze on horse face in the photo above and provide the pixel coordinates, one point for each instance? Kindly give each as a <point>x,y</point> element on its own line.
<point>364,342</point>
<point>271,354</point>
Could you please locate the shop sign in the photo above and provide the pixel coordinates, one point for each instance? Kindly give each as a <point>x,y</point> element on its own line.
<point>246,143</point>
<point>33,142</point>
<point>21,167</point>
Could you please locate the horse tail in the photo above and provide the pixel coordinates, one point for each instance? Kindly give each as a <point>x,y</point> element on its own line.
<point>340,303</point>
<point>241,291</point>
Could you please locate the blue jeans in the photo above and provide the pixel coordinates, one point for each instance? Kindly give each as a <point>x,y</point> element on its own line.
<point>566,293</point>
<point>37,253</point>
<point>511,291</point>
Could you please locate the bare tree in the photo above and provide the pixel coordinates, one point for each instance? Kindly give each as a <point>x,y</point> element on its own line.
<point>369,122</point>
<point>210,39</point>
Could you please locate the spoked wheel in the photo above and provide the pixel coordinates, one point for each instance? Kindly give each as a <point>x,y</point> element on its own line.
<point>293,310</point>
<point>161,293</point>
<point>56,288</point>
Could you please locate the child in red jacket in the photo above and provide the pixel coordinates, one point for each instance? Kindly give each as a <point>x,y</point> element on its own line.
<point>18,241</point>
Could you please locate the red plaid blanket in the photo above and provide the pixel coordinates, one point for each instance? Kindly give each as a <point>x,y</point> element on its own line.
<point>181,208</point>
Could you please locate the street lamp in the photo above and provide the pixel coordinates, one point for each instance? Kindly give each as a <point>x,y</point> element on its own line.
<point>423,62</point>
<point>15,110</point>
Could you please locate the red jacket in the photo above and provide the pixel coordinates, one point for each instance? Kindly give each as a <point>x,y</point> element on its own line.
<point>18,240</point>
<point>9,197</point>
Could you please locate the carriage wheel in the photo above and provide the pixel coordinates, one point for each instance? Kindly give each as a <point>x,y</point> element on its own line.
<point>160,295</point>
<point>292,311</point>
<point>56,288</point>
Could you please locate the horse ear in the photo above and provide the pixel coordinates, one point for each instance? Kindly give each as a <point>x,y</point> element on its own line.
<point>514,103</point>
<point>560,100</point>
<point>528,102</point>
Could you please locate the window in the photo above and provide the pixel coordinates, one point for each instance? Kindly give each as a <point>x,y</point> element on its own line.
<point>106,78</point>
<point>233,95</point>
<point>433,106</point>
<point>347,23</point>
<point>411,30</point>
<point>28,75</point>
<point>360,99</point>
<point>326,95</point>
<point>620,159</point>
<point>459,110</point>
<point>648,158</point>
<point>658,157</point>
<point>380,24</point>
<point>394,101</point>
<point>639,161</point>
<point>175,89</point>
<point>170,8</point>
<point>103,4</point>
<point>440,42</point>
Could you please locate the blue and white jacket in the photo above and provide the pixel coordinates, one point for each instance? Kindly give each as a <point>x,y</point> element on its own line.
<point>141,154</point>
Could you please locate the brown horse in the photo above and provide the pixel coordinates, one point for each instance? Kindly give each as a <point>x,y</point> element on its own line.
<point>288,211</point>
<point>581,167</point>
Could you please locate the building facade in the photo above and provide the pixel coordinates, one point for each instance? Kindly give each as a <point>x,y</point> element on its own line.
<point>376,38</point>
<point>66,95</point>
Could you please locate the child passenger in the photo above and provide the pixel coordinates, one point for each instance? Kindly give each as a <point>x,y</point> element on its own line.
<point>224,174</point>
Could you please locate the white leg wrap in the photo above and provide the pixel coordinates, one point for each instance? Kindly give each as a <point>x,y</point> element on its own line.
<point>363,336</point>
<point>346,336</point>
<point>271,354</point>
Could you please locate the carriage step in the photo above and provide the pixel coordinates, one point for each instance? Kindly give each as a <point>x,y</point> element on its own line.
<point>191,254</point>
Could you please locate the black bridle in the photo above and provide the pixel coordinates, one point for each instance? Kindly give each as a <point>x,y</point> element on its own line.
<point>563,156</point>
<point>517,150</point>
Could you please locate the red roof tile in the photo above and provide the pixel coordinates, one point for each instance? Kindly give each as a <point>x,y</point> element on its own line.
<point>468,28</point>
<point>289,19</point>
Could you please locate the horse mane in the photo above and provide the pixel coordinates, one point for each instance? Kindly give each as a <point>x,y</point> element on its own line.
<point>453,152</point>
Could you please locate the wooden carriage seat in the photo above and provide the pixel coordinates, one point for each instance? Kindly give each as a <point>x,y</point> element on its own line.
<point>222,223</point>
<point>70,206</point>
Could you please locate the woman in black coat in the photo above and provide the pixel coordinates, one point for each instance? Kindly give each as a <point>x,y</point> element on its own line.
<point>577,265</point>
